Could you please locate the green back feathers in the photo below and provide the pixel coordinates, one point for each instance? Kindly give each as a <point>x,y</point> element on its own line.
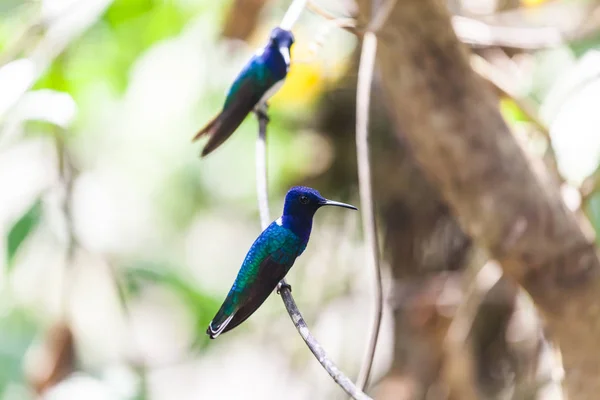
<point>255,79</point>
<point>276,241</point>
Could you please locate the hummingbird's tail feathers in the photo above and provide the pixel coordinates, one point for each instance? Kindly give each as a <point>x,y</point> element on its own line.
<point>224,126</point>
<point>219,129</point>
<point>208,129</point>
<point>235,110</point>
<point>243,314</point>
<point>269,273</point>
<point>215,328</point>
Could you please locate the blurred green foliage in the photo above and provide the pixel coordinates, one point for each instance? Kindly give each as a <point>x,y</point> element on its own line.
<point>109,48</point>
<point>593,212</point>
<point>21,230</point>
<point>96,70</point>
<point>18,329</point>
<point>200,305</point>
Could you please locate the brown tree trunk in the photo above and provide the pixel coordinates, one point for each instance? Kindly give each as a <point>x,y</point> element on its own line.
<point>421,239</point>
<point>242,18</point>
<point>425,248</point>
<point>453,126</point>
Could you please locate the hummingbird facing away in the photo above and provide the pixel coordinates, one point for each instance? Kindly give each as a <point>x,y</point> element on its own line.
<point>270,258</point>
<point>260,79</point>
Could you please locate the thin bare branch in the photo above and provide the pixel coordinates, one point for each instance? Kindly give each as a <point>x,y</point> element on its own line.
<point>507,29</point>
<point>317,9</point>
<point>481,34</point>
<point>283,289</point>
<point>261,171</point>
<point>32,33</point>
<point>346,23</point>
<point>314,346</point>
<point>68,174</point>
<point>363,95</point>
<point>292,14</point>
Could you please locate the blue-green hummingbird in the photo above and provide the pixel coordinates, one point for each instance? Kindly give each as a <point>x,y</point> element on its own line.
<point>260,79</point>
<point>270,258</point>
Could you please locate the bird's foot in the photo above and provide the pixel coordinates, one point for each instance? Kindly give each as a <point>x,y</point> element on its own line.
<point>261,113</point>
<point>283,285</point>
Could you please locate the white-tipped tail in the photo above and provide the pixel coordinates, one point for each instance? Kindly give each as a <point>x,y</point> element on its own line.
<point>216,332</point>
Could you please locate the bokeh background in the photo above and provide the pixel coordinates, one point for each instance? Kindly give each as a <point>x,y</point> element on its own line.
<point>119,243</point>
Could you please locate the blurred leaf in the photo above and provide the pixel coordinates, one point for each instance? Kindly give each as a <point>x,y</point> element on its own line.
<point>581,47</point>
<point>182,197</point>
<point>103,56</point>
<point>511,111</point>
<point>21,230</point>
<point>17,332</point>
<point>201,305</point>
<point>8,6</point>
<point>54,78</point>
<point>142,393</point>
<point>47,108</point>
<point>592,209</point>
<point>551,66</point>
<point>569,106</point>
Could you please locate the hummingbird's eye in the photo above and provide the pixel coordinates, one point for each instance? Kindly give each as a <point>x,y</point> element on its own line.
<point>304,199</point>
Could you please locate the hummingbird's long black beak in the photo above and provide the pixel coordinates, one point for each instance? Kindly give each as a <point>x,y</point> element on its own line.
<point>337,204</point>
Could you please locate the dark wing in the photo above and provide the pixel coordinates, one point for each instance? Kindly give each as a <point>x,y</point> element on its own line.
<point>245,93</point>
<point>269,259</point>
<point>270,272</point>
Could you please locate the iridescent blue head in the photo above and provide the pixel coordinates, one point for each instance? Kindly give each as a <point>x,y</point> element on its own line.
<point>305,201</point>
<point>281,38</point>
<point>300,206</point>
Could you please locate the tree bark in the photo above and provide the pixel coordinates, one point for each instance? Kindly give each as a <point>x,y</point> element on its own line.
<point>454,128</point>
<point>242,19</point>
<point>421,239</point>
<point>425,248</point>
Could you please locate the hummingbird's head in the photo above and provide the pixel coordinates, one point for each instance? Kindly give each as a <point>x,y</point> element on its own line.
<point>305,201</point>
<point>281,38</point>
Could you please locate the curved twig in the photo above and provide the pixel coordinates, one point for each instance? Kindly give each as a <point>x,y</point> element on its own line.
<point>363,97</point>
<point>499,31</point>
<point>363,94</point>
<point>261,169</point>
<point>288,300</point>
<point>314,346</point>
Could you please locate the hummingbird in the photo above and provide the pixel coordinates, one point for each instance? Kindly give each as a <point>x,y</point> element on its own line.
<point>260,79</point>
<point>270,258</point>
